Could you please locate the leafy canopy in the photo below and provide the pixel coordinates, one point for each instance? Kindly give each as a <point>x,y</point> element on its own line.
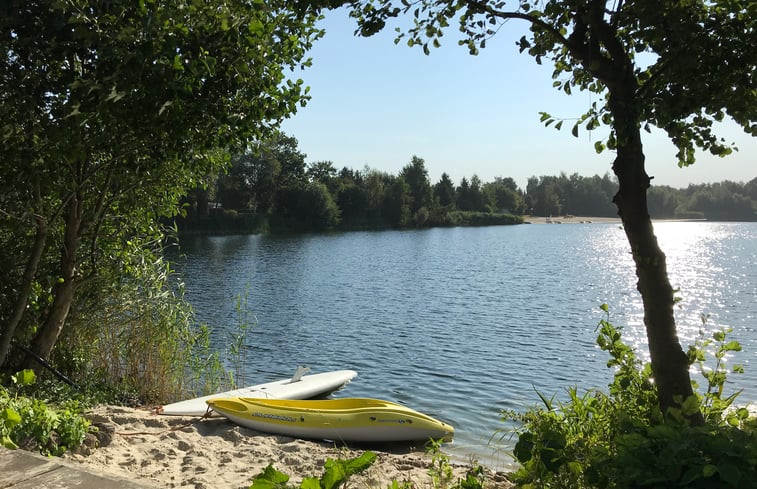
<point>140,94</point>
<point>109,111</point>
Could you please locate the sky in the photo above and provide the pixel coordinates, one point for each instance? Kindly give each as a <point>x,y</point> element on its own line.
<point>378,104</point>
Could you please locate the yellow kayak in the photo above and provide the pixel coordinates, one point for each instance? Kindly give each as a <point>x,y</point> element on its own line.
<point>348,419</point>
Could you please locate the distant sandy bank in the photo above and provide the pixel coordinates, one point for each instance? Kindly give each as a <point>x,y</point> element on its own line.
<point>568,220</point>
<point>175,452</point>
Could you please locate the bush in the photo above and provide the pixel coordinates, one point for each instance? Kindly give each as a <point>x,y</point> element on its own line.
<point>140,336</point>
<point>31,424</point>
<point>621,439</point>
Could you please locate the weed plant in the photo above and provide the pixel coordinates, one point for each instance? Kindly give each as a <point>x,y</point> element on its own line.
<point>621,439</point>
<point>140,338</point>
<point>237,350</point>
<point>30,423</point>
<point>337,472</point>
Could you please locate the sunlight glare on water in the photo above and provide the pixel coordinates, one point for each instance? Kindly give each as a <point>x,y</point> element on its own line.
<point>461,323</point>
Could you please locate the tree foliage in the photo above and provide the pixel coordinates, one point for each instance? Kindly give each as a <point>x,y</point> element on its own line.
<point>345,199</point>
<point>253,197</point>
<point>109,111</point>
<point>416,177</point>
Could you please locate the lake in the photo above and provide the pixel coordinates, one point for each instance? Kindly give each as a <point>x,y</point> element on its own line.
<point>460,323</point>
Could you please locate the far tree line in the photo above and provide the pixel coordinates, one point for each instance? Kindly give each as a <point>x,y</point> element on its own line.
<point>272,187</point>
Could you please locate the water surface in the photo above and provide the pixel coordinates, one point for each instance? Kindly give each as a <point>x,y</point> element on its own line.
<point>461,323</point>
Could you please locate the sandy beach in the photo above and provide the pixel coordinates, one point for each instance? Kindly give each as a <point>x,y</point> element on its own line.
<point>183,452</point>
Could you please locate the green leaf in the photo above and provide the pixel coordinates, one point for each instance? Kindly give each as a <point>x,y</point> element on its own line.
<point>575,468</point>
<point>177,63</point>
<point>8,443</point>
<point>10,417</point>
<point>690,405</point>
<point>310,483</point>
<point>359,464</point>
<point>709,470</point>
<point>730,474</point>
<point>574,131</point>
<point>338,471</point>
<point>732,346</point>
<point>25,377</point>
<point>692,474</point>
<point>524,448</point>
<point>270,478</point>
<point>334,474</point>
<point>255,26</point>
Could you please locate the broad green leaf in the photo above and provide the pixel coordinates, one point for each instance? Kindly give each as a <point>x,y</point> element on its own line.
<point>359,464</point>
<point>25,377</point>
<point>310,483</point>
<point>255,26</point>
<point>270,478</point>
<point>11,417</point>
<point>690,405</point>
<point>575,468</point>
<point>334,474</point>
<point>524,448</point>
<point>177,63</point>
<point>8,443</point>
<point>730,474</point>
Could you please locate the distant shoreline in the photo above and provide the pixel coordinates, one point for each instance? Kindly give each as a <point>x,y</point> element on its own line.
<point>594,219</point>
<point>569,220</point>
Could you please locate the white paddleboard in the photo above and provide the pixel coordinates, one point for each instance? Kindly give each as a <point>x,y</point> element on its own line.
<point>298,387</point>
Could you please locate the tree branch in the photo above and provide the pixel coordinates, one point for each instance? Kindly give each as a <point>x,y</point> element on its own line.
<point>485,7</point>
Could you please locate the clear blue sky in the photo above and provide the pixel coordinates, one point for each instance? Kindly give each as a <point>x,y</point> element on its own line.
<point>376,103</point>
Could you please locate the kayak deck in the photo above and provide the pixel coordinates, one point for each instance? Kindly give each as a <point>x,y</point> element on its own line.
<point>347,419</point>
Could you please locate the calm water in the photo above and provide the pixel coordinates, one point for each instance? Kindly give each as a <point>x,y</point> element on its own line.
<point>461,323</point>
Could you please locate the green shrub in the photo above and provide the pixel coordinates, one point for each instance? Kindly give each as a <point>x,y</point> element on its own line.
<point>338,471</point>
<point>335,473</point>
<point>140,335</point>
<point>31,423</point>
<point>621,439</point>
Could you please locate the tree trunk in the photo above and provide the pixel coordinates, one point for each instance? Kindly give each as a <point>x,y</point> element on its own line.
<point>30,270</point>
<point>669,362</point>
<point>64,290</point>
<point>203,208</point>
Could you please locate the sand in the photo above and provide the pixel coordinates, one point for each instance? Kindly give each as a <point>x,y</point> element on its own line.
<point>570,220</point>
<point>182,452</point>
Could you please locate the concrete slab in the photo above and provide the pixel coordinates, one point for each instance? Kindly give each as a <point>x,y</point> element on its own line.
<point>20,469</point>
